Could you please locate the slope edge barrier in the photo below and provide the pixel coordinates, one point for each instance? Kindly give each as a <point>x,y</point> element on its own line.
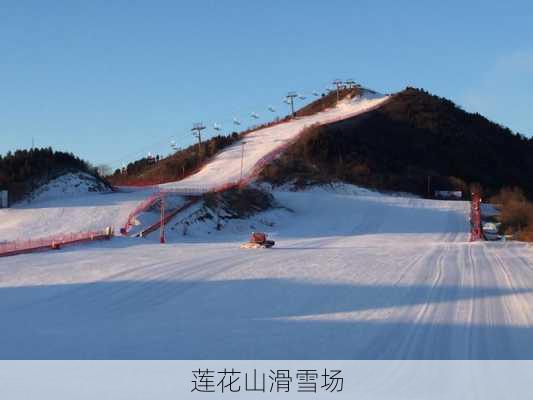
<point>52,242</point>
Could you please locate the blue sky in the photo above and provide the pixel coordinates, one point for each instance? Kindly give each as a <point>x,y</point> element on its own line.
<point>113,80</point>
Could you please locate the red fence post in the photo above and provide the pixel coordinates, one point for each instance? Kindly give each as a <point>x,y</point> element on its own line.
<point>475,218</point>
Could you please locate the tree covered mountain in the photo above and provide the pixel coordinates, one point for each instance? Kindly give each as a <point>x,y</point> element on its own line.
<point>415,142</point>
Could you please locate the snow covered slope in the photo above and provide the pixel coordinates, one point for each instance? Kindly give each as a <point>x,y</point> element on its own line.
<point>69,184</point>
<point>354,274</point>
<point>66,208</point>
<point>226,166</point>
<point>71,204</point>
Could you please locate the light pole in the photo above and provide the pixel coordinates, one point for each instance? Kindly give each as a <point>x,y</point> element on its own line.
<point>162,223</point>
<point>242,160</point>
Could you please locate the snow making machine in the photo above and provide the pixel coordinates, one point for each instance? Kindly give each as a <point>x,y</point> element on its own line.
<point>258,240</point>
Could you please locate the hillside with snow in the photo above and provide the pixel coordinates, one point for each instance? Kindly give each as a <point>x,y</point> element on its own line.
<point>225,168</point>
<point>75,202</point>
<point>354,274</point>
<point>68,185</point>
<point>71,203</point>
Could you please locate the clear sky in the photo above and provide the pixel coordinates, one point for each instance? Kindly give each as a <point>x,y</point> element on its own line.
<point>113,80</point>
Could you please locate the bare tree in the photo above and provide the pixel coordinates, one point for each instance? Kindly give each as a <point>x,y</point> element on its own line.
<point>104,170</point>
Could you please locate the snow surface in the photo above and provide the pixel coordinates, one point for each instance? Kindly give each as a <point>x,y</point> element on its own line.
<point>354,274</point>
<point>226,166</point>
<point>58,211</point>
<point>69,184</point>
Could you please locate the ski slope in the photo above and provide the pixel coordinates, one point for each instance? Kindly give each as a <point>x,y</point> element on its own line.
<point>66,205</point>
<point>225,168</point>
<point>353,275</point>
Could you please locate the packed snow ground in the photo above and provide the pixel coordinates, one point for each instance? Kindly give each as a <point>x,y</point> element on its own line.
<point>57,210</point>
<point>226,166</point>
<point>353,275</point>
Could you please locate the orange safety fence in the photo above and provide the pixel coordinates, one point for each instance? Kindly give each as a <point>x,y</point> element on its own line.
<point>146,204</point>
<point>155,198</point>
<point>168,216</point>
<point>52,242</point>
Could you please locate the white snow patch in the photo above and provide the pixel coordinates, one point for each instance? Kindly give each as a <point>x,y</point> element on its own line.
<point>69,184</point>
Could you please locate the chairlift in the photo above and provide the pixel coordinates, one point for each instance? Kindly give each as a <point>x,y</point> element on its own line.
<point>350,83</point>
<point>236,121</point>
<point>271,109</point>
<point>151,158</point>
<point>254,115</point>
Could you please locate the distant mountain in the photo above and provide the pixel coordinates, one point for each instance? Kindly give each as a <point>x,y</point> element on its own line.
<point>415,142</point>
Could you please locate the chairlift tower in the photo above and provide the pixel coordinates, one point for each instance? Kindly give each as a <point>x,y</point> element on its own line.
<point>197,129</point>
<point>337,83</point>
<point>290,99</point>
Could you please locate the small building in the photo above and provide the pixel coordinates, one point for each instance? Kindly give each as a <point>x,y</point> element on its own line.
<point>448,194</point>
<point>4,200</point>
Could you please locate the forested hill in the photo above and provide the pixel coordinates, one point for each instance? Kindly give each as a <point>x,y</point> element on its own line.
<point>25,170</point>
<point>414,138</point>
<point>187,161</point>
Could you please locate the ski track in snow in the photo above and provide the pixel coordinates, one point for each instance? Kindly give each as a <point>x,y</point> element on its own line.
<point>353,275</point>
<point>226,166</point>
